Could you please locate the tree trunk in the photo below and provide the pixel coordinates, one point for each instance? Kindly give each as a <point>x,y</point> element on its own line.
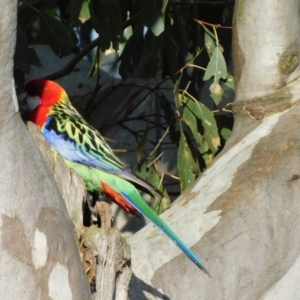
<point>241,216</point>
<point>38,253</point>
<point>104,252</point>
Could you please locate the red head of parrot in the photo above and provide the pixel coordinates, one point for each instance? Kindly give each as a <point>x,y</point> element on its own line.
<point>42,95</point>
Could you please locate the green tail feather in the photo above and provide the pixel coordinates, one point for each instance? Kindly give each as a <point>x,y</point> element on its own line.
<point>137,201</point>
<point>93,177</point>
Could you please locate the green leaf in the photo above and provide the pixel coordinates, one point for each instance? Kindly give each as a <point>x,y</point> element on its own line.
<point>126,34</point>
<point>161,203</point>
<point>74,9</point>
<point>153,13</point>
<point>208,122</point>
<point>151,175</point>
<point>26,19</point>
<point>152,48</point>
<point>24,56</point>
<point>170,117</point>
<point>209,43</point>
<point>154,178</point>
<point>217,69</point>
<point>61,41</point>
<point>100,19</point>
<point>115,22</point>
<point>216,92</point>
<point>191,120</point>
<point>216,66</point>
<point>141,169</point>
<point>164,5</point>
<point>158,203</point>
<point>187,167</point>
<point>177,95</point>
<point>53,13</point>
<point>84,14</point>
<point>230,81</point>
<point>107,19</point>
<point>168,110</point>
<point>206,154</point>
<point>97,62</point>
<point>132,53</point>
<point>225,133</point>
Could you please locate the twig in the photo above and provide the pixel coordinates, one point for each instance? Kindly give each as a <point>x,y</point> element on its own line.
<point>195,66</point>
<point>135,134</point>
<point>141,118</point>
<point>119,150</point>
<point>33,5</point>
<point>212,25</point>
<point>151,90</point>
<point>164,172</point>
<point>159,142</point>
<point>155,160</point>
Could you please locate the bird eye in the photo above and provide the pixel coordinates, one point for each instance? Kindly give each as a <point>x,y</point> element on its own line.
<point>35,88</point>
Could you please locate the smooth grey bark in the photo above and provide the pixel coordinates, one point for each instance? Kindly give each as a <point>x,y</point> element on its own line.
<point>38,253</point>
<point>242,216</point>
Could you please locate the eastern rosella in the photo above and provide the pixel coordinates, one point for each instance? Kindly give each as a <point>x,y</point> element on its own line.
<point>87,153</point>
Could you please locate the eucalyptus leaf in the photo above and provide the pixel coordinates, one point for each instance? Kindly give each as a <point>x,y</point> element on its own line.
<point>176,93</point>
<point>141,169</point>
<point>216,92</point>
<point>187,166</point>
<point>208,122</point>
<point>25,56</point>
<point>153,13</point>
<point>209,43</point>
<point>131,53</point>
<point>206,154</point>
<point>115,22</point>
<point>61,40</point>
<point>74,9</point>
<point>216,67</point>
<point>84,14</point>
<point>98,58</point>
<point>191,120</point>
<point>158,203</point>
<point>230,81</point>
<point>225,133</point>
<point>100,19</point>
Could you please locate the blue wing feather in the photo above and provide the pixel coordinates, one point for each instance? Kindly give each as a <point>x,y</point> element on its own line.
<point>77,141</point>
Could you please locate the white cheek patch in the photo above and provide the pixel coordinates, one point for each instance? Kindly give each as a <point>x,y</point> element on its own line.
<point>33,102</point>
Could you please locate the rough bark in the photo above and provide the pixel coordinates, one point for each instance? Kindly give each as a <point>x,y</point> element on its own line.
<point>241,216</point>
<point>113,270</point>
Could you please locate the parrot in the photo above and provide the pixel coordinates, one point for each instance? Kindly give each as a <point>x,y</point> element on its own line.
<point>86,152</point>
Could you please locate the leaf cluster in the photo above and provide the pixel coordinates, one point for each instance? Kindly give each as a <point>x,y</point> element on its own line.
<point>181,43</point>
